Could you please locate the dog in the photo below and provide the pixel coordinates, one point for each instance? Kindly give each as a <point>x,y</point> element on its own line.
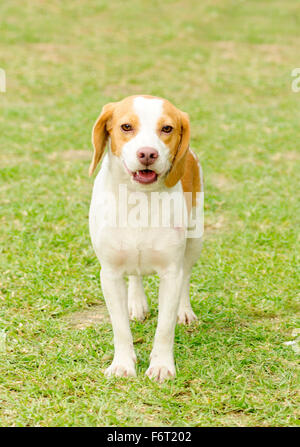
<point>148,152</point>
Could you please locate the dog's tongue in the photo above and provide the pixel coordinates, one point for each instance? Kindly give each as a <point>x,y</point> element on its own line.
<point>145,176</point>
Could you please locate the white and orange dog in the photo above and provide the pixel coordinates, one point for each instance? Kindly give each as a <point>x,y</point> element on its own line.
<point>148,151</point>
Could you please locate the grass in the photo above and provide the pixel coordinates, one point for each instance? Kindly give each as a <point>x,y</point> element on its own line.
<point>228,64</point>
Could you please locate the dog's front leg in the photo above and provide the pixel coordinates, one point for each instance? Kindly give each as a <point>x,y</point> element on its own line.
<point>115,294</point>
<point>162,360</point>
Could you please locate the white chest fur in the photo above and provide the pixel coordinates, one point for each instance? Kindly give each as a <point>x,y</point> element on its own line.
<point>130,244</point>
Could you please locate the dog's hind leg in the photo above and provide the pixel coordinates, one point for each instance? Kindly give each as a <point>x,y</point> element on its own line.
<point>185,313</point>
<point>137,301</point>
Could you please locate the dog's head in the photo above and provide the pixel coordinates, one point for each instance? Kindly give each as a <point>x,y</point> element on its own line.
<point>149,135</point>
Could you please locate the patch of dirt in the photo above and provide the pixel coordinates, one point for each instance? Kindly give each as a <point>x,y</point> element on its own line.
<point>236,419</point>
<point>71,155</point>
<point>49,52</point>
<point>9,160</point>
<point>271,52</point>
<point>222,182</point>
<point>217,225</point>
<point>228,49</point>
<point>89,317</point>
<point>290,156</point>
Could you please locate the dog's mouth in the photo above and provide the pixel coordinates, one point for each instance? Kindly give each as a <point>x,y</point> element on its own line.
<point>145,176</point>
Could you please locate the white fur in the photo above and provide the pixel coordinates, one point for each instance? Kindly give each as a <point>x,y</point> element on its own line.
<point>141,251</point>
<point>148,111</point>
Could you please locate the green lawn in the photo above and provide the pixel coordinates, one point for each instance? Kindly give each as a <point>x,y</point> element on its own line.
<point>228,64</point>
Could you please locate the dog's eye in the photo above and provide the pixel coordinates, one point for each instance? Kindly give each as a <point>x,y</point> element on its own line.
<point>126,127</point>
<point>167,129</point>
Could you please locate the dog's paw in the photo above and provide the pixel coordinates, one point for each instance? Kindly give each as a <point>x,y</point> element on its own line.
<point>138,309</point>
<point>161,370</point>
<point>186,316</point>
<point>121,368</point>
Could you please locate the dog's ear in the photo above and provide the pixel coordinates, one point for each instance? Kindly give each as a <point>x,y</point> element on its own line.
<point>178,165</point>
<point>100,135</point>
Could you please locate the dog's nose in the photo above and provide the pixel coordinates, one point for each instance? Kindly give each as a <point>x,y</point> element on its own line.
<point>147,155</point>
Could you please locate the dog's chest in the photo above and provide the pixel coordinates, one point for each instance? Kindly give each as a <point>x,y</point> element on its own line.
<point>129,237</point>
<point>139,251</point>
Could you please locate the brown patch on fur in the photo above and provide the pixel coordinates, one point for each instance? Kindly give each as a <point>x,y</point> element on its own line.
<point>191,180</point>
<point>171,117</point>
<point>100,134</point>
<point>108,124</point>
<point>123,114</point>
<point>177,141</point>
<point>115,114</point>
